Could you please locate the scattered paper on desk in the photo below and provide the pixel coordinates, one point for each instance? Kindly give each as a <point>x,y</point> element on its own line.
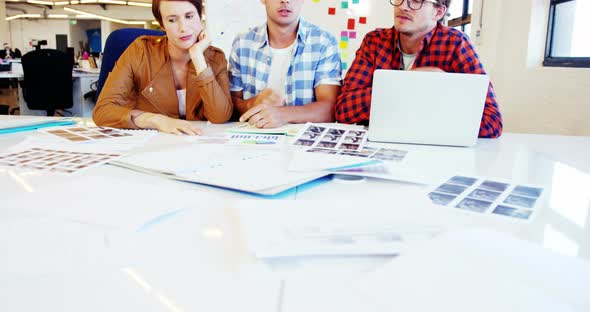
<point>54,160</point>
<point>238,167</point>
<point>84,134</point>
<point>342,160</point>
<point>384,154</point>
<point>487,196</point>
<point>331,138</point>
<point>246,138</point>
<point>323,228</point>
<point>288,129</point>
<point>237,139</point>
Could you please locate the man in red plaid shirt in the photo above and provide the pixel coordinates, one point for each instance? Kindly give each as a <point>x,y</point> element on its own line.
<point>418,41</point>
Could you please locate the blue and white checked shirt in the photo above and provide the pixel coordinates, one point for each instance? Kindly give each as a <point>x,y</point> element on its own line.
<point>316,61</point>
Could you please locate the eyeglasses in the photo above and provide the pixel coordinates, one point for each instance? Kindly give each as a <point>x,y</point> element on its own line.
<point>413,4</point>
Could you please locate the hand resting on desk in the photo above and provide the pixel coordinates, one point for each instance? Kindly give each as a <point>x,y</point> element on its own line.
<point>165,124</point>
<point>266,111</point>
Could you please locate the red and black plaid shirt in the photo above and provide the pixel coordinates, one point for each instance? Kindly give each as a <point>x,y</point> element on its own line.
<point>444,47</point>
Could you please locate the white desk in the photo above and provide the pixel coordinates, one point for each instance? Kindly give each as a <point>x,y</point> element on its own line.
<point>81,85</point>
<point>197,259</point>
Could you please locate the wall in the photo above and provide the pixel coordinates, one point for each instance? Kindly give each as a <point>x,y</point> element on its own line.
<point>22,31</point>
<point>4,30</point>
<point>533,98</point>
<point>78,33</point>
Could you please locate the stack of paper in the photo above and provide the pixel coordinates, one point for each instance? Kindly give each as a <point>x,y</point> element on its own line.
<point>260,171</point>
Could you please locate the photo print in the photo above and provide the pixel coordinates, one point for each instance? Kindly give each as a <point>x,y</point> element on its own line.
<point>487,196</point>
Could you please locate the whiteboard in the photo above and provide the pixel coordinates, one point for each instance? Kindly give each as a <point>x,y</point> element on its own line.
<point>227,18</point>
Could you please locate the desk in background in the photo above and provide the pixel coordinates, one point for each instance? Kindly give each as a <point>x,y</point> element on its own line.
<point>196,259</point>
<point>81,85</point>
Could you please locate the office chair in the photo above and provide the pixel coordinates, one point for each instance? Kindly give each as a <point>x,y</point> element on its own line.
<point>47,83</point>
<point>115,45</point>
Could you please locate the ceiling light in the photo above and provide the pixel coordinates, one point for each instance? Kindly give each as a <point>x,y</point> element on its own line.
<point>106,18</point>
<point>10,18</point>
<point>40,2</point>
<point>141,4</point>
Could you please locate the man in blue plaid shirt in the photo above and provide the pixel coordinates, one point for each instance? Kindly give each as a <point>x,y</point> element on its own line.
<point>285,71</point>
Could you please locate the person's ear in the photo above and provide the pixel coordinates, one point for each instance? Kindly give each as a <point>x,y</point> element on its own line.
<point>441,10</point>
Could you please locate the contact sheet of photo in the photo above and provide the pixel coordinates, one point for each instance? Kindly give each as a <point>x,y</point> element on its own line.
<point>331,138</point>
<point>377,153</point>
<point>55,161</point>
<point>487,196</point>
<point>85,134</point>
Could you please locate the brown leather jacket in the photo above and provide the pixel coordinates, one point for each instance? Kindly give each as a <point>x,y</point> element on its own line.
<point>142,80</point>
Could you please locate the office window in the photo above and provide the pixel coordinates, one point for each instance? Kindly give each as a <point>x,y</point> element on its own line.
<point>459,15</point>
<point>567,39</point>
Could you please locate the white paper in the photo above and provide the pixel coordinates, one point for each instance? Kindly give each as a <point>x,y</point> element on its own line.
<point>236,167</point>
<point>318,228</point>
<point>288,129</point>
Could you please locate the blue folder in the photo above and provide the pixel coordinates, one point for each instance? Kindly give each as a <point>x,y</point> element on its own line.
<point>36,126</point>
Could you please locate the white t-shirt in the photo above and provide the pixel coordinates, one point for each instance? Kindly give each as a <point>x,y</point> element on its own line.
<point>281,59</point>
<point>408,60</point>
<point>181,94</point>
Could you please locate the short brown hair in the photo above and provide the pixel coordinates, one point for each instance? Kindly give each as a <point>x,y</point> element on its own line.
<point>446,3</point>
<point>156,8</point>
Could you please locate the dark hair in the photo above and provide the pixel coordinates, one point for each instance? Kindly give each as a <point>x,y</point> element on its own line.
<point>446,3</point>
<point>156,7</point>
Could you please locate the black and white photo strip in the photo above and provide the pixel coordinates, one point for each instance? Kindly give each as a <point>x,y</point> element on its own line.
<point>331,138</point>
<point>487,196</point>
<point>384,154</point>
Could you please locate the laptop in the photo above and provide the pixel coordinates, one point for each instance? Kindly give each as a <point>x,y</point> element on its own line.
<point>427,107</point>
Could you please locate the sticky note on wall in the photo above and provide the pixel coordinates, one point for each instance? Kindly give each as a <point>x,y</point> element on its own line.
<point>344,4</point>
<point>351,23</point>
<point>331,11</point>
<point>343,45</point>
<point>362,20</point>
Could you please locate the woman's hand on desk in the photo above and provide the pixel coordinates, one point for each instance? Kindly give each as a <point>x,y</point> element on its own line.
<point>165,124</point>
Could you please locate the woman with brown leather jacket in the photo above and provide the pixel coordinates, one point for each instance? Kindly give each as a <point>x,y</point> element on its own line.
<point>161,82</point>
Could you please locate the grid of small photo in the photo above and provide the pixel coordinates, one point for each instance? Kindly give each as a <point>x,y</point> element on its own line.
<point>57,161</point>
<point>487,196</point>
<point>84,134</point>
<point>384,154</point>
<point>330,138</point>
